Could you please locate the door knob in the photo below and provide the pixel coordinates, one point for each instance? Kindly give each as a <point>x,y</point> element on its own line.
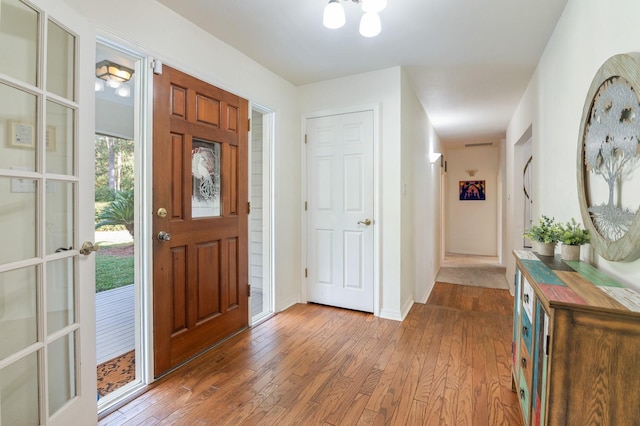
<point>365,222</point>
<point>87,248</point>
<point>164,236</point>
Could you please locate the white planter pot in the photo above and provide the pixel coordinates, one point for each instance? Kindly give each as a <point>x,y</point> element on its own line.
<point>545,249</point>
<point>570,252</point>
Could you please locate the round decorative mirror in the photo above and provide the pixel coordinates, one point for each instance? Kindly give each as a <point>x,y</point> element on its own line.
<point>608,159</point>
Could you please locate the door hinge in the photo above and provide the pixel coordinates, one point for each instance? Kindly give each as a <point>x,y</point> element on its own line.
<point>305,138</point>
<point>249,290</point>
<point>248,207</point>
<point>305,272</point>
<point>305,206</point>
<point>249,124</point>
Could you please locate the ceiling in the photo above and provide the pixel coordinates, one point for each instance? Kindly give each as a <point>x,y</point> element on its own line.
<point>469,61</point>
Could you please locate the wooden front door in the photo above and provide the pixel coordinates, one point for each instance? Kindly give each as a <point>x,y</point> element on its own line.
<point>200,284</point>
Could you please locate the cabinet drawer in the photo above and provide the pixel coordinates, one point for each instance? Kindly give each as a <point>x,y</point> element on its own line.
<point>527,298</point>
<point>526,332</point>
<point>524,365</point>
<point>525,399</point>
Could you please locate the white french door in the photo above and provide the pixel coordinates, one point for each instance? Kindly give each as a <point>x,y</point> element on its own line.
<point>340,210</point>
<point>47,373</point>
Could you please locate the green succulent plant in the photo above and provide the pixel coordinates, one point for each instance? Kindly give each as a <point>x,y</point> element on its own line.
<point>546,231</point>
<point>572,234</point>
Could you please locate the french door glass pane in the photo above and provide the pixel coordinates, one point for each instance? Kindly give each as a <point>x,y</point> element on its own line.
<point>18,316</point>
<point>19,35</point>
<point>19,393</point>
<point>19,124</point>
<point>60,61</point>
<point>62,372</point>
<point>59,139</point>
<point>59,214</point>
<point>60,292</point>
<point>18,206</point>
<point>205,170</point>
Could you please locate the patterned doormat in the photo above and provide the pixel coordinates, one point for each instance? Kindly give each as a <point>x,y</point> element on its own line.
<point>116,373</point>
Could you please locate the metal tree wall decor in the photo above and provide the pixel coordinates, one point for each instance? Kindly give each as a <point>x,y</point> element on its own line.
<point>608,172</point>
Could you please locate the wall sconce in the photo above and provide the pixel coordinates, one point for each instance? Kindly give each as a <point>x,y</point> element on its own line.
<point>113,73</point>
<point>471,173</point>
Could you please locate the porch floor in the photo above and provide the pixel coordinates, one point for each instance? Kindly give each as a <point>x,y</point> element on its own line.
<point>115,322</point>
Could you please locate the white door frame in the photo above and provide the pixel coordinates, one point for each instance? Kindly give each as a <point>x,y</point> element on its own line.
<point>379,222</point>
<point>143,193</point>
<point>268,224</point>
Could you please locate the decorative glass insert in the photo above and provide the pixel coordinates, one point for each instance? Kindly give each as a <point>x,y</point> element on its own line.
<point>62,373</point>
<point>60,61</point>
<point>18,207</point>
<point>59,139</point>
<point>18,126</point>
<point>59,213</point>
<point>19,397</point>
<point>205,172</point>
<point>18,315</point>
<point>19,35</point>
<point>60,295</point>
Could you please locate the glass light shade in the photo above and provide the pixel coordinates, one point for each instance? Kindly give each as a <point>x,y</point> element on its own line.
<point>124,91</point>
<point>333,15</point>
<point>374,6</point>
<point>370,25</point>
<point>99,85</point>
<point>113,83</point>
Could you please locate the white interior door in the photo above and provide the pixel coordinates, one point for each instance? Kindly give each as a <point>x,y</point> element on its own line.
<point>340,207</point>
<point>47,356</point>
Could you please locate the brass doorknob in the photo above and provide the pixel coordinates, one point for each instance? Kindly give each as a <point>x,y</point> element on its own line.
<point>87,248</point>
<point>365,222</point>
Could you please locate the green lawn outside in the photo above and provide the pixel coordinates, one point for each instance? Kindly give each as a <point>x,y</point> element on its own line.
<point>113,271</point>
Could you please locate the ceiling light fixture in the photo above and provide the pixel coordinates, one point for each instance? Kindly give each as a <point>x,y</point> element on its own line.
<point>113,73</point>
<point>370,24</point>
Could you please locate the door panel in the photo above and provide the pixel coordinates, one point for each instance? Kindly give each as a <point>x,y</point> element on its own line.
<point>200,178</point>
<point>340,192</point>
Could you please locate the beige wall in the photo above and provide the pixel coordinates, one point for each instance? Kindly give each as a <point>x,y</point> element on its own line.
<point>472,226</point>
<point>587,34</point>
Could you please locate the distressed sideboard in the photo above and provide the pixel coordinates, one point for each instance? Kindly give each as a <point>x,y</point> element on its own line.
<point>576,344</point>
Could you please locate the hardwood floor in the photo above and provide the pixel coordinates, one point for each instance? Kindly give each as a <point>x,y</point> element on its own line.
<point>446,364</point>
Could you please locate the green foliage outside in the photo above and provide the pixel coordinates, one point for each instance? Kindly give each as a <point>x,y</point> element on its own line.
<point>113,271</point>
<point>118,212</point>
<point>115,160</point>
<point>114,209</point>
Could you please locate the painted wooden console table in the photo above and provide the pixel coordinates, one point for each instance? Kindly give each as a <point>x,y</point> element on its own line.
<point>576,344</point>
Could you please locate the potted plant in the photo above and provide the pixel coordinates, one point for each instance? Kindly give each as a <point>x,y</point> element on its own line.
<point>545,235</point>
<point>572,236</point>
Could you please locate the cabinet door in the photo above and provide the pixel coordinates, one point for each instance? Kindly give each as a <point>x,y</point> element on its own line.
<point>540,357</point>
<point>517,309</point>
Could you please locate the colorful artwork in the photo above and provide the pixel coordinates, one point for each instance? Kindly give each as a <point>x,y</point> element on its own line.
<point>472,190</point>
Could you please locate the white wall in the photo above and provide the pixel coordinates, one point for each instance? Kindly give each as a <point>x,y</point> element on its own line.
<point>405,179</point>
<point>587,34</point>
<point>380,89</point>
<point>157,31</point>
<point>472,226</point>
<point>421,251</point>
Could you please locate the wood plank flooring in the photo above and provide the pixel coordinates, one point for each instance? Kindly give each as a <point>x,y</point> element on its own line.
<point>446,364</point>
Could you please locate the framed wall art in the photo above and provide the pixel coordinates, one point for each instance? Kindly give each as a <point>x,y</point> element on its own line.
<point>472,190</point>
<point>608,163</point>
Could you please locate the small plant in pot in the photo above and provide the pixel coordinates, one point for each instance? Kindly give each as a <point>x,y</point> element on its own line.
<point>572,236</point>
<point>545,235</point>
